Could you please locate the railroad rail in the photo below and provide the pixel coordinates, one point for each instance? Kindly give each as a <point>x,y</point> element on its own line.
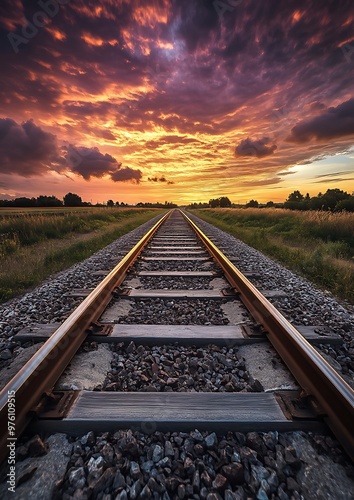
<point>176,238</point>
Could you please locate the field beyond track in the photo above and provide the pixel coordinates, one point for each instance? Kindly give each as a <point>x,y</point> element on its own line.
<point>317,244</point>
<point>35,243</point>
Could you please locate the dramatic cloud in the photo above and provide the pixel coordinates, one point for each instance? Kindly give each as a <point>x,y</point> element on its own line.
<point>90,162</point>
<point>126,174</point>
<point>258,148</point>
<point>334,123</point>
<point>25,149</point>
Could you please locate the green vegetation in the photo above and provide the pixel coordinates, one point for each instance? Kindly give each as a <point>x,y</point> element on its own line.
<point>35,244</point>
<point>334,200</point>
<point>317,244</point>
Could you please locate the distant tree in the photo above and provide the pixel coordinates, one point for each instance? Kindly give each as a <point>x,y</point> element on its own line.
<point>110,203</point>
<point>48,201</point>
<point>316,202</point>
<point>24,202</point>
<point>252,204</point>
<point>295,196</point>
<point>214,203</point>
<point>332,197</point>
<point>117,203</point>
<point>224,202</point>
<point>347,205</point>
<point>269,204</point>
<point>294,200</point>
<point>72,200</point>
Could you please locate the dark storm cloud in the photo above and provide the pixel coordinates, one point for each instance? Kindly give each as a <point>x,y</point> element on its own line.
<point>25,149</point>
<point>258,148</point>
<point>90,162</point>
<point>333,123</point>
<point>126,174</point>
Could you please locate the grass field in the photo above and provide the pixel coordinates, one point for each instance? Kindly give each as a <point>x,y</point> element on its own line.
<point>36,243</point>
<point>319,245</point>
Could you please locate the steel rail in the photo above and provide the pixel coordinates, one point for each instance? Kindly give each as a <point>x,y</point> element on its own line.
<point>331,397</point>
<point>42,371</point>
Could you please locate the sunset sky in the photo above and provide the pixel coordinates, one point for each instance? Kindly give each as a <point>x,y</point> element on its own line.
<point>178,100</point>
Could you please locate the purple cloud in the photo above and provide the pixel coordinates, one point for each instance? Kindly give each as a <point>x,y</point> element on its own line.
<point>25,149</point>
<point>258,148</point>
<point>333,123</point>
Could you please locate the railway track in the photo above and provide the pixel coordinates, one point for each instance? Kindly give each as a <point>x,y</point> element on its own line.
<point>188,256</point>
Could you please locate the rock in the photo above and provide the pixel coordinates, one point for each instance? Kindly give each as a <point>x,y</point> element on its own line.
<point>129,446</point>
<point>95,466</point>
<point>157,454</point>
<point>77,478</point>
<point>172,483</point>
<point>273,481</point>
<point>154,486</point>
<point>259,472</point>
<point>134,470</point>
<point>119,481</point>
<point>211,440</point>
<point>262,495</point>
<point>146,492</point>
<point>282,494</point>
<point>88,439</point>
<point>255,442</point>
<point>108,453</point>
<point>219,482</point>
<point>214,496</point>
<point>234,473</point>
<point>5,354</point>
<point>270,440</point>
<point>105,481</point>
<point>206,479</point>
<point>291,484</point>
<point>147,466</point>
<point>172,382</point>
<point>131,348</point>
<point>135,490</point>
<point>196,481</point>
<point>169,451</point>
<point>197,436</point>
<point>291,458</point>
<point>199,449</point>
<point>181,491</point>
<point>122,496</point>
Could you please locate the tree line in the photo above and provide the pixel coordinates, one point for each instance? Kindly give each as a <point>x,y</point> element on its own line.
<point>333,199</point>
<point>69,200</point>
<point>74,200</point>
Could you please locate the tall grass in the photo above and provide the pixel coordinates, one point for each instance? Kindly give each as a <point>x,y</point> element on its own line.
<point>319,245</point>
<point>24,265</point>
<point>28,228</point>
